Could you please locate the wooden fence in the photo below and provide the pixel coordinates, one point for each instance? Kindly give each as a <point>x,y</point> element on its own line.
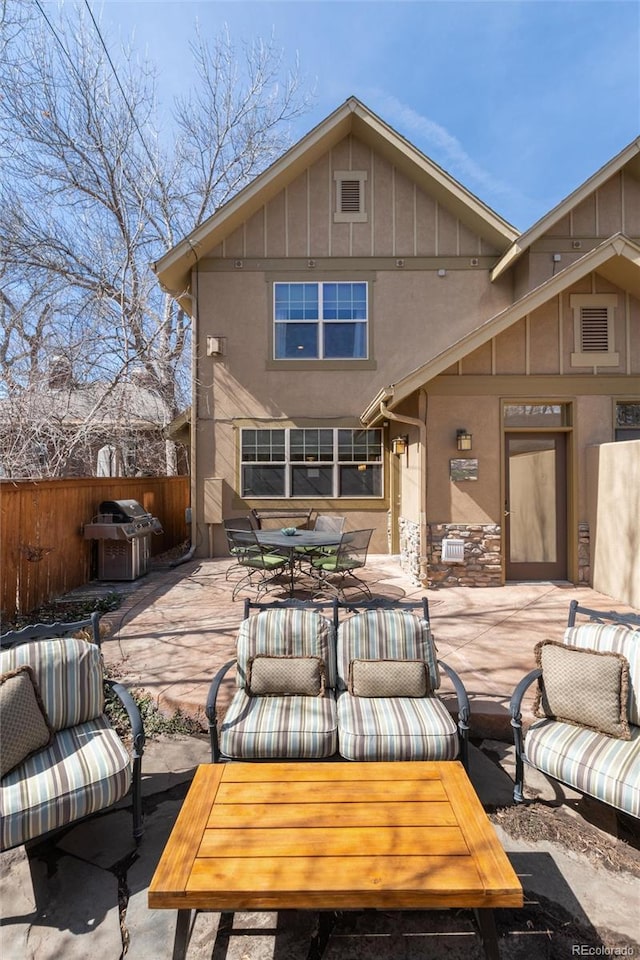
<point>42,550</point>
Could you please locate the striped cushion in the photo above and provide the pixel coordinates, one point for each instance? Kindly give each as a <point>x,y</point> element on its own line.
<point>609,638</point>
<point>395,728</point>
<point>85,769</point>
<point>599,766</point>
<point>257,728</point>
<point>289,632</point>
<point>385,635</point>
<point>68,672</point>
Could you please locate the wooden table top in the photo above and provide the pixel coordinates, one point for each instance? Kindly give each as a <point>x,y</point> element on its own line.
<point>333,836</point>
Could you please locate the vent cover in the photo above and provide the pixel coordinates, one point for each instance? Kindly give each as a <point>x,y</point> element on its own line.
<point>452,550</point>
<point>350,196</point>
<point>594,329</point>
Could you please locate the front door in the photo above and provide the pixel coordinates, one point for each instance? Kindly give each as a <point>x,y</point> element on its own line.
<point>536,506</point>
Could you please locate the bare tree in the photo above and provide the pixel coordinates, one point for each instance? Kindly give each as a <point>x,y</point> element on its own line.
<point>93,190</point>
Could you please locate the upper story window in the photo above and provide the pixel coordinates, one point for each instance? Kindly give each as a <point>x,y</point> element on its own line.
<point>320,321</point>
<point>350,203</point>
<point>593,330</point>
<point>311,462</point>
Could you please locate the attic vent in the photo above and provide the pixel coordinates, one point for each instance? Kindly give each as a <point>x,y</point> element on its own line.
<point>594,329</point>
<point>350,188</point>
<point>452,550</point>
<point>350,196</point>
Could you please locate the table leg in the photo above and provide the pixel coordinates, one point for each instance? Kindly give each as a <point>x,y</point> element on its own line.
<point>486,920</point>
<point>181,940</point>
<point>327,920</point>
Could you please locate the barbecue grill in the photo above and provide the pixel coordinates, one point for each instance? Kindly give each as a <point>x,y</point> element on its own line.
<point>123,530</point>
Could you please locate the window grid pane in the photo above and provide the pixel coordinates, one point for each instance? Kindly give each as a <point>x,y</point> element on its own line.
<point>320,321</point>
<point>348,462</point>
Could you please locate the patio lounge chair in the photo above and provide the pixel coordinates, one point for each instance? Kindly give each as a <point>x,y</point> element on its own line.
<point>284,706</point>
<point>61,758</point>
<point>387,700</point>
<point>587,734</point>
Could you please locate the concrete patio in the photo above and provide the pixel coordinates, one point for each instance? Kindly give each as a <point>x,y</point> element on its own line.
<point>83,894</point>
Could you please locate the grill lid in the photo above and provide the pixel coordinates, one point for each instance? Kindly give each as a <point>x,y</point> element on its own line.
<point>123,510</point>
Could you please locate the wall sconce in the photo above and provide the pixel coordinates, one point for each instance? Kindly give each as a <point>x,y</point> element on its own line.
<point>463,439</point>
<point>399,445</point>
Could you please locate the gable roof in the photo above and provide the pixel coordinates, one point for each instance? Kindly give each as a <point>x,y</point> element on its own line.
<point>352,117</point>
<point>617,259</point>
<point>629,156</point>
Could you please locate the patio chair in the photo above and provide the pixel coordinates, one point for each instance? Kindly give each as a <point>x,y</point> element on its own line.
<point>587,708</point>
<point>61,758</point>
<point>261,564</point>
<point>284,704</point>
<point>325,523</point>
<point>235,523</point>
<point>330,572</point>
<point>387,688</point>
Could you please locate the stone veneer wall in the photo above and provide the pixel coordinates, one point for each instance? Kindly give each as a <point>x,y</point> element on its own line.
<point>482,566</point>
<point>410,548</point>
<point>584,554</point>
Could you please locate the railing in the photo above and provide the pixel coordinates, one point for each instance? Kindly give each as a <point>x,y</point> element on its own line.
<point>42,550</point>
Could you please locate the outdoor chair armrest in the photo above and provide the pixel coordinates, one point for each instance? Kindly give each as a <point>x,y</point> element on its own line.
<point>210,708</point>
<point>464,711</point>
<point>516,722</point>
<point>137,732</point>
<point>519,692</point>
<point>133,713</point>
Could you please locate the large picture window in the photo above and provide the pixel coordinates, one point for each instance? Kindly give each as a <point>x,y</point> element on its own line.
<point>320,321</point>
<point>311,462</point>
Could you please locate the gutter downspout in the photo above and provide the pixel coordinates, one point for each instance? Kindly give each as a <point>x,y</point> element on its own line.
<point>194,423</point>
<point>421,424</point>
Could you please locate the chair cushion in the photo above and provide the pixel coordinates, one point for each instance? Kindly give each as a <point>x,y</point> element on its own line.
<point>258,728</point>
<point>277,676</point>
<point>385,634</point>
<point>585,687</point>
<point>388,678</point>
<point>24,725</point>
<point>286,632</point>
<point>395,728</point>
<point>592,763</point>
<point>85,769</point>
<point>69,675</point>
<point>613,638</point>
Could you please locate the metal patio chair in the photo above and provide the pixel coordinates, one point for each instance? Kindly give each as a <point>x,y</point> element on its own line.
<point>260,563</point>
<point>330,572</point>
<point>235,523</point>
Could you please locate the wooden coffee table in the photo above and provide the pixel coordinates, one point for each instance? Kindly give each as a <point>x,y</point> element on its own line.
<point>331,837</point>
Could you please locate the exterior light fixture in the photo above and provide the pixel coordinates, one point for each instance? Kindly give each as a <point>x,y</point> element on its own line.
<point>399,445</point>
<point>463,439</point>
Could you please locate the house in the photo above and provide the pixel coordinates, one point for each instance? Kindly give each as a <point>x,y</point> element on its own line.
<point>372,340</point>
<point>59,427</point>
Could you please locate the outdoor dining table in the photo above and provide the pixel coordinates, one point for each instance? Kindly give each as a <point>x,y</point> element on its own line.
<point>288,543</point>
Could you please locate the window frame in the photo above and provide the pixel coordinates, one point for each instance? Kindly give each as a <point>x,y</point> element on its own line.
<point>320,322</point>
<point>292,463</point>
<point>593,358</point>
<point>622,431</point>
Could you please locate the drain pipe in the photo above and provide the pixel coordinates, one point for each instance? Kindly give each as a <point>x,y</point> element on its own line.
<point>421,424</point>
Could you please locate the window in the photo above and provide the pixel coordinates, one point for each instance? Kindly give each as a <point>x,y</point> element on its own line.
<point>627,420</point>
<point>350,205</point>
<point>593,330</point>
<point>320,321</point>
<point>311,462</point>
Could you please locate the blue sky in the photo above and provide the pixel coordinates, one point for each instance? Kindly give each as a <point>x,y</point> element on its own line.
<point>519,101</point>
